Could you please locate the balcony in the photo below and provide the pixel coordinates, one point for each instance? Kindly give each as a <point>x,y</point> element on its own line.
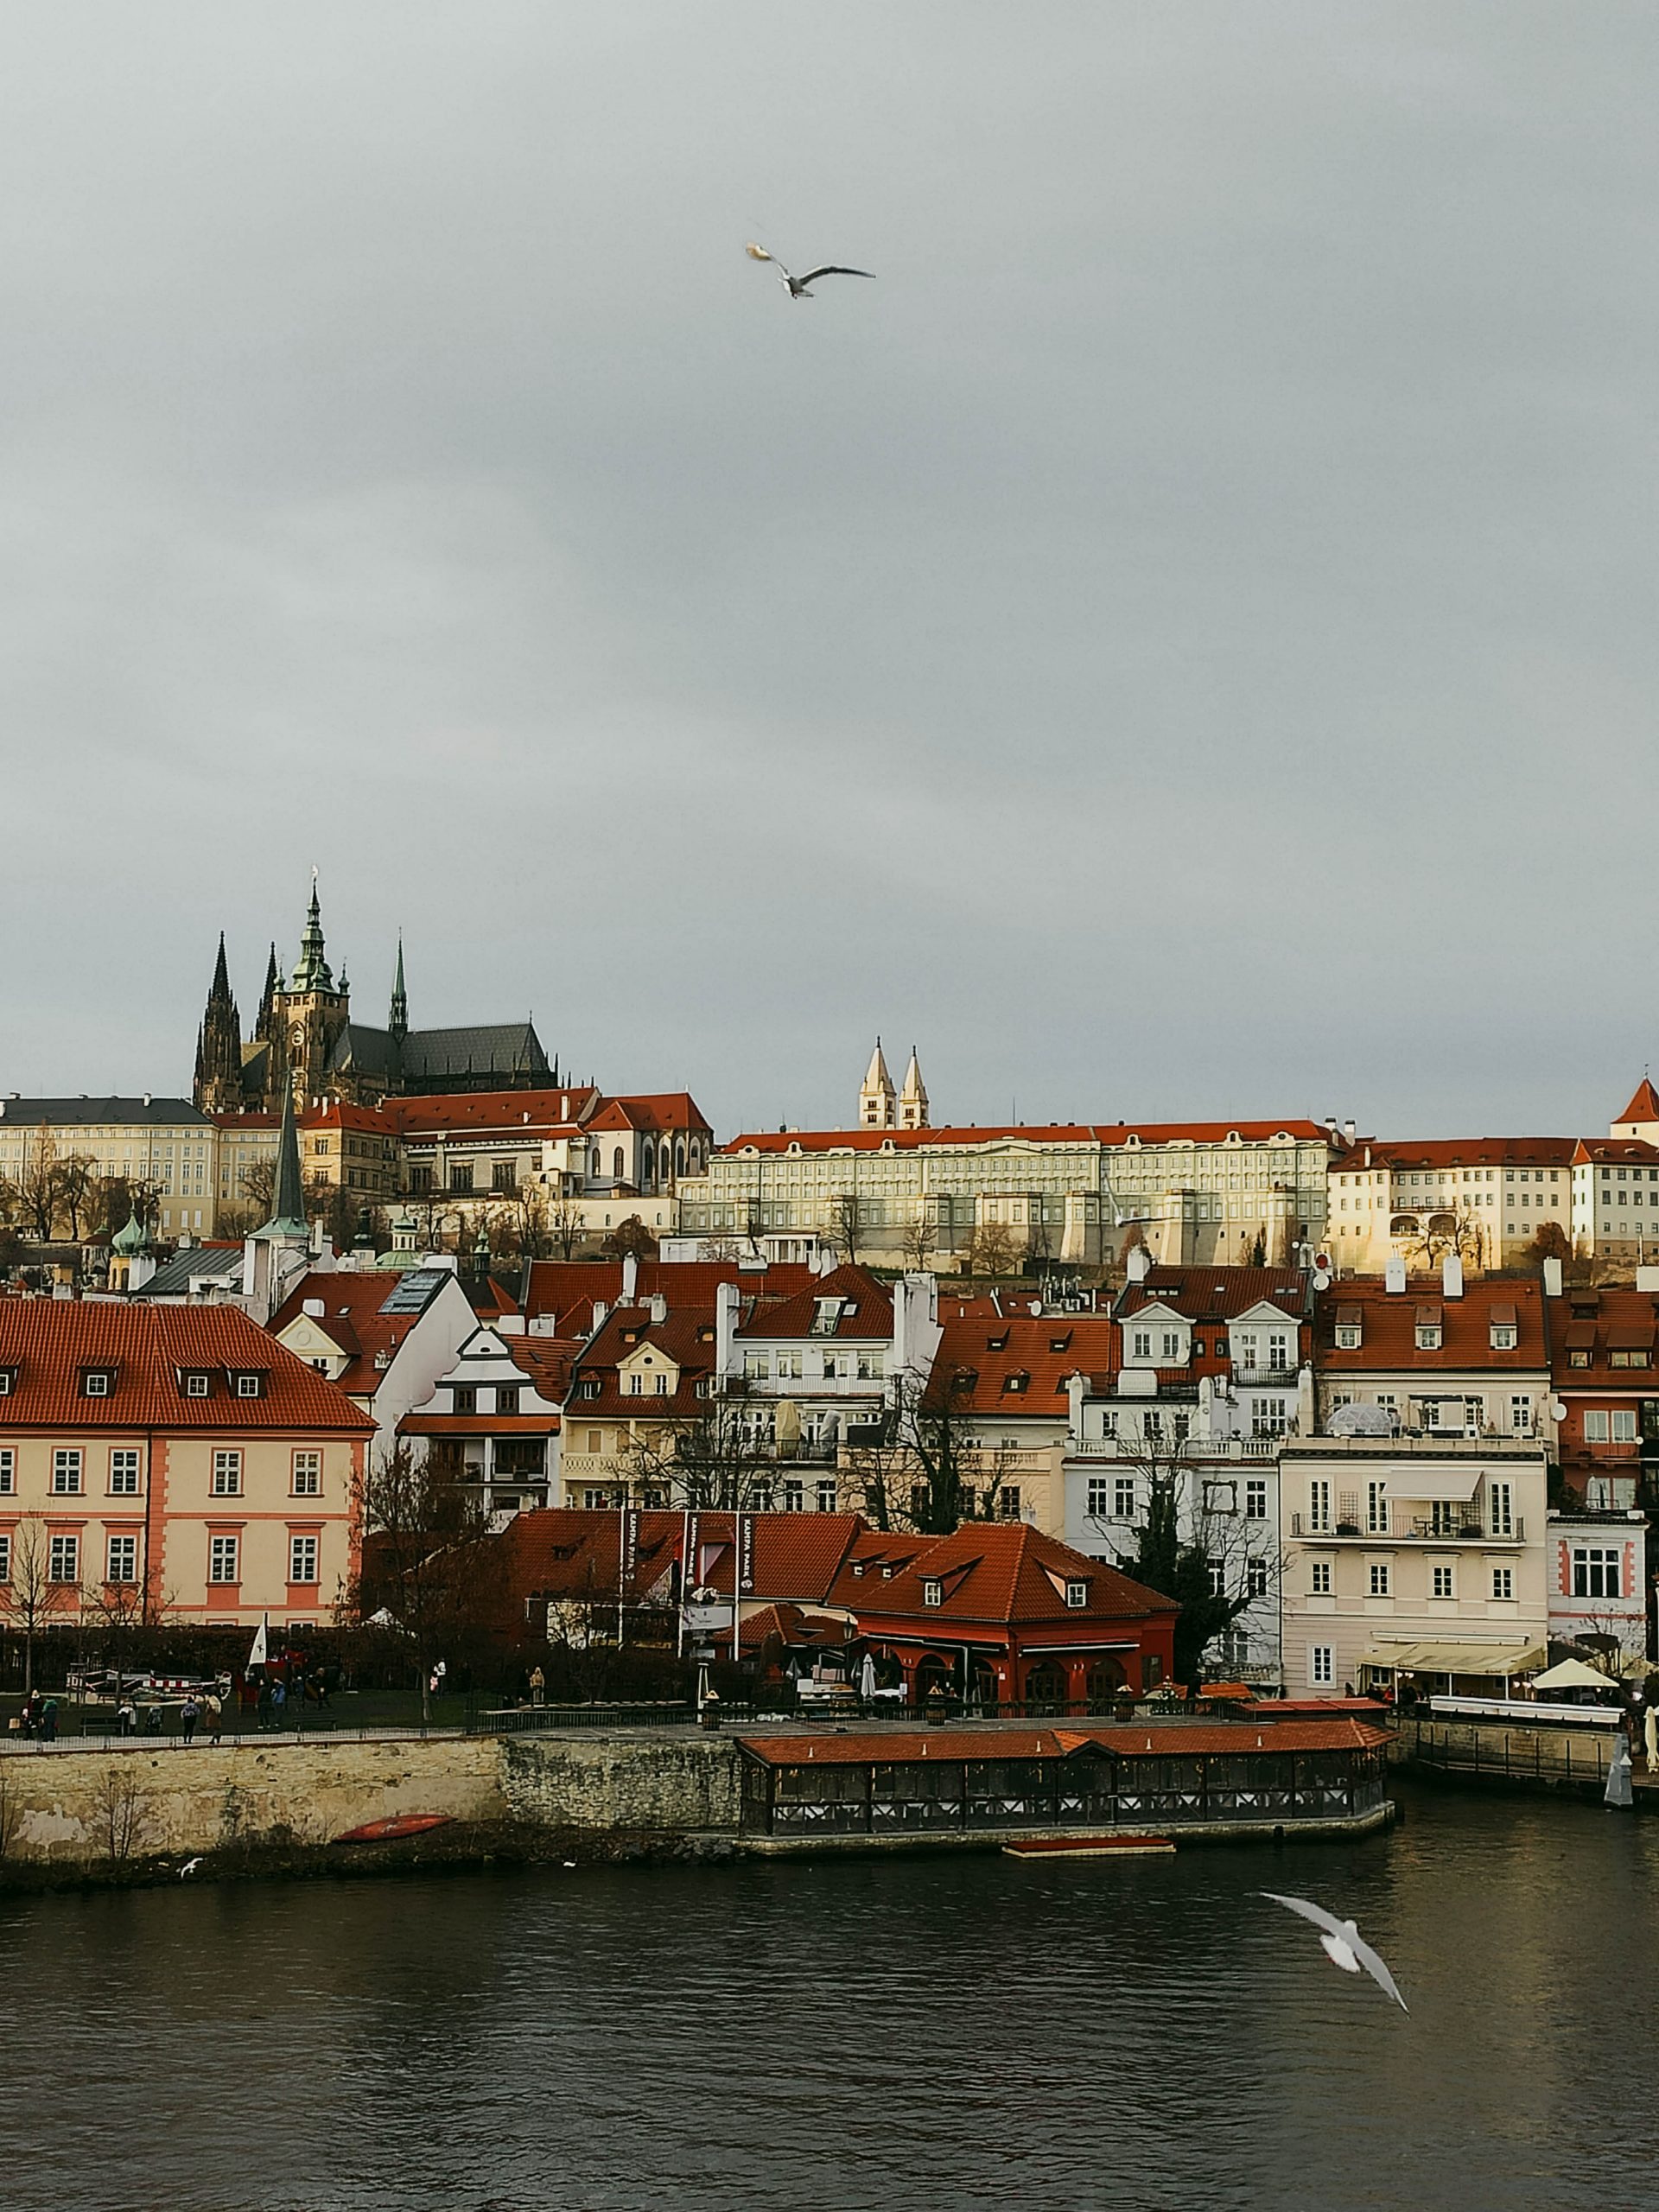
<point>1265,1378</point>
<point>1403,1529</point>
<point>1195,1449</point>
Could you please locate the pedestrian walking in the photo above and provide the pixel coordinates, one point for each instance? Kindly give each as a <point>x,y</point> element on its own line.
<point>262,1705</point>
<point>278,1701</point>
<point>49,1722</point>
<point>126,1718</point>
<point>213,1706</point>
<point>538,1687</point>
<point>189,1713</point>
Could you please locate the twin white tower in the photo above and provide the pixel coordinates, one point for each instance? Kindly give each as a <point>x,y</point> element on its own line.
<point>881,1107</point>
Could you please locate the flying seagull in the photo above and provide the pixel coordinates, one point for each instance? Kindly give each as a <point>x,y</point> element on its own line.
<point>796,286</point>
<point>188,1868</point>
<point>1341,1943</point>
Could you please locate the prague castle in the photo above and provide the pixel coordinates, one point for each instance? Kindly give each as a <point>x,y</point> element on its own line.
<point>306,1045</point>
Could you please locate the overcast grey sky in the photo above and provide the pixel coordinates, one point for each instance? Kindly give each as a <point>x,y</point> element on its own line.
<point>1181,643</point>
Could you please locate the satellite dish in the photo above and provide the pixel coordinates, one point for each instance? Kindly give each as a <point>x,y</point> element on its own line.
<point>1557,1410</point>
<point>1321,1280</point>
<point>1364,1421</point>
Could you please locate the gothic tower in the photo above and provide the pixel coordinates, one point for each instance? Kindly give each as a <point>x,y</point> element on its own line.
<point>913,1099</point>
<point>219,1046</point>
<point>309,1012</point>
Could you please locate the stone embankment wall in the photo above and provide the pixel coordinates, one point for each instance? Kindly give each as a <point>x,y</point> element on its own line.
<point>1519,1750</point>
<point>670,1781</point>
<point>132,1802</point>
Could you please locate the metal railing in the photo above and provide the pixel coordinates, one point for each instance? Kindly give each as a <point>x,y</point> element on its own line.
<point>1537,1761</point>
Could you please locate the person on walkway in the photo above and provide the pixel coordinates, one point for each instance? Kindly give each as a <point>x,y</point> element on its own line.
<point>49,1722</point>
<point>262,1705</point>
<point>278,1701</point>
<point>189,1713</point>
<point>213,1706</point>
<point>126,1718</point>
<point>1650,1738</point>
<point>537,1688</point>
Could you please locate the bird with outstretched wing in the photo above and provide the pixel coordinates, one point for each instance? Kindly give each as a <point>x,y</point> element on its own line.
<point>796,286</point>
<point>1343,1944</point>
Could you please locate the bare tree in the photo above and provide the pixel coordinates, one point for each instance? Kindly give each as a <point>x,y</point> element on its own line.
<point>631,1235</point>
<point>121,1617</point>
<point>992,1250</point>
<point>80,1193</point>
<point>846,1226</point>
<point>720,1460</point>
<point>122,1198</point>
<point>35,1193</point>
<point>121,1806</point>
<point>1190,1542</point>
<point>30,1598</point>
<point>566,1226</point>
<point>431,1577</point>
<point>915,1242</point>
<point>258,1184</point>
<point>926,1473</point>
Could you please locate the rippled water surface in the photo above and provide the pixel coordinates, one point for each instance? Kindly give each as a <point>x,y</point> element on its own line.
<point>935,2033</point>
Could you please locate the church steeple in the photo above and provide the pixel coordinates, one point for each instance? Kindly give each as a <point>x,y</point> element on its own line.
<point>218,1043</point>
<point>288,1222</point>
<point>876,1100</point>
<point>913,1099</point>
<point>265,1028</point>
<point>397,1027</point>
<point>311,973</point>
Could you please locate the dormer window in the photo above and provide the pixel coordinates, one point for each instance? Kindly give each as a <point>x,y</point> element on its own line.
<point>249,1383</point>
<point>826,1317</point>
<point>8,1381</point>
<point>506,1398</point>
<point>1019,1380</point>
<point>1077,1595</point>
<point>1430,1333</point>
<point>1505,1328</point>
<point>1350,1328</point>
<point>195,1382</point>
<point>933,1590</point>
<point>97,1382</point>
<point>466,1398</point>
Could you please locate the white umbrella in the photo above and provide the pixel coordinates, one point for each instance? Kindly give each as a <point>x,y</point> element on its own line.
<point>1573,1674</point>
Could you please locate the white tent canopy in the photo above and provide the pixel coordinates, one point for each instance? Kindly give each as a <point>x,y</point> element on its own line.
<point>1573,1674</point>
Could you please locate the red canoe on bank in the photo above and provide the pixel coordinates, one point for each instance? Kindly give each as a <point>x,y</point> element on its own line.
<point>395,1827</point>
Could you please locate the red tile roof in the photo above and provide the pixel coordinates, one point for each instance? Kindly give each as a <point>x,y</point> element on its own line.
<point>1601,1322</point>
<point>571,1288</point>
<point>1388,1328</point>
<point>1218,1293</point>
<point>686,1338</point>
<point>1617,1150</point>
<point>654,1111</point>
<point>50,1341</point>
<point>1644,1106</point>
<point>501,1112</point>
<point>1165,1738</point>
<point>1003,1572</point>
<point>866,1309</point>
<point>1459,1152</point>
<point>981,1359</point>
<point>351,1315</point>
<point>796,1627</point>
<point>1112,1135</point>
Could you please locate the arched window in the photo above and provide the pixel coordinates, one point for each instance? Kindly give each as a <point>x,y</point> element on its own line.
<point>647,1165</point>
<point>679,1156</point>
<point>616,1163</point>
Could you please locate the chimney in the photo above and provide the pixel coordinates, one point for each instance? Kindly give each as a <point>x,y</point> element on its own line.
<point>726,1297</point>
<point>629,1278</point>
<point>658,1307</point>
<point>1394,1275</point>
<point>1350,1130</point>
<point>1552,1278</point>
<point>1452,1276</point>
<point>1138,1266</point>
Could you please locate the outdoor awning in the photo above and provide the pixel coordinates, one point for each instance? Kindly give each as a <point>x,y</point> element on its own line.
<point>1452,1482</point>
<point>1458,1658</point>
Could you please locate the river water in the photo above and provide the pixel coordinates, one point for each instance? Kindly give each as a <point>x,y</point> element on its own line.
<point>929,2033</point>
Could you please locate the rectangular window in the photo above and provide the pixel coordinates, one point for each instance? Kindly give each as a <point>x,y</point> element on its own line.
<point>124,1473</point>
<point>1319,1578</point>
<point>1100,1498</point>
<point>1123,1498</point>
<point>63,1559</point>
<point>7,1472</point>
<point>222,1552</point>
<point>307,1474</point>
<point>123,1561</point>
<point>96,1383</point>
<point>1381,1579</point>
<point>302,1559</point>
<point>247,1386</point>
<point>227,1474</point>
<point>1008,1501</point>
<point>460,1179</point>
<point>1624,1424</point>
<point>5,1559</point>
<point>1319,1505</point>
<point>826,1498</point>
<point>504,1175</point>
<point>1440,1581</point>
<point>1499,1510</point>
<point>1141,1344</point>
<point>1595,1572</point>
<point>1521,1416</point>
<point>1595,1427</point>
<point>66,1474</point>
<point>1256,1500</point>
<point>466,1398</point>
<point>1255,1578</point>
<point>506,1397</point>
<point>195,1386</point>
<point>1503,1582</point>
<point>1376,1508</point>
<point>1321,1665</point>
<point>1172,1345</point>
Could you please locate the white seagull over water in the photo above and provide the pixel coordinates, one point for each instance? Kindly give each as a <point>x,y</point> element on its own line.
<point>188,1868</point>
<point>796,286</point>
<point>1342,1943</point>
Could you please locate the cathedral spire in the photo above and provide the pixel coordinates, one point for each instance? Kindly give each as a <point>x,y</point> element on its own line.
<point>311,973</point>
<point>265,1028</point>
<point>218,1043</point>
<point>913,1099</point>
<point>288,1222</point>
<point>398,1025</point>
<point>876,1099</point>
